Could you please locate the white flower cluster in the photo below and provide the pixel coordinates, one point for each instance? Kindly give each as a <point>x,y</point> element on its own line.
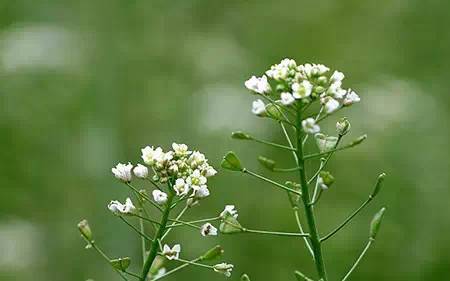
<point>305,83</point>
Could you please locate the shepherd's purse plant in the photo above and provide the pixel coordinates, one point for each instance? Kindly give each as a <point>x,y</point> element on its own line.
<point>298,98</point>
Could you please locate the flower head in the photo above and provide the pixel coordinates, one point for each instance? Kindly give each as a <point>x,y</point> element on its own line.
<point>224,268</point>
<point>208,229</point>
<point>171,253</point>
<point>121,209</point>
<point>302,89</point>
<point>258,85</point>
<point>287,98</point>
<point>123,172</point>
<point>140,171</point>
<point>309,126</point>
<point>229,211</point>
<point>159,197</point>
<point>258,107</point>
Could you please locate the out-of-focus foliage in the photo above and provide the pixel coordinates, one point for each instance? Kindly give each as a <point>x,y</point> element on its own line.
<point>85,84</point>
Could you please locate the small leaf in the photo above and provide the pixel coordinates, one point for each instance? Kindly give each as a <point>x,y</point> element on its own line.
<point>231,162</point>
<point>230,225</point>
<point>376,222</point>
<point>239,135</point>
<point>121,263</point>
<point>267,163</point>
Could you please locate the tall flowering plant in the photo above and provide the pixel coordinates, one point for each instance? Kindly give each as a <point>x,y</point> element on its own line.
<point>180,181</point>
<point>299,98</point>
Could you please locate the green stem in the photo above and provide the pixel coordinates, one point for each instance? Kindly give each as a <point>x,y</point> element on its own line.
<point>245,171</point>
<point>309,211</point>
<point>185,223</point>
<point>286,170</point>
<point>176,269</point>
<point>317,155</point>
<point>195,263</point>
<point>144,196</point>
<point>196,221</point>
<point>154,247</point>
<point>324,163</point>
<point>361,256</point>
<point>169,228</point>
<point>274,144</point>
<point>140,232</point>
<point>245,230</point>
<point>106,258</point>
<point>347,220</point>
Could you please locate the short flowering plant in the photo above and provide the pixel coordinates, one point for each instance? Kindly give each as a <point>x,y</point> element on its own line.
<point>298,98</point>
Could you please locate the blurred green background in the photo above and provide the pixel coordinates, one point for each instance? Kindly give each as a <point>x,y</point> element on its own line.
<point>85,84</point>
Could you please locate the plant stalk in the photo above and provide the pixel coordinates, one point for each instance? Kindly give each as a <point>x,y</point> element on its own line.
<point>309,211</point>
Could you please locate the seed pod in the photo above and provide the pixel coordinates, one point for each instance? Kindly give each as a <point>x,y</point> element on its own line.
<point>121,263</point>
<point>378,185</point>
<point>231,162</point>
<point>85,229</point>
<point>267,163</point>
<point>240,136</point>
<point>376,222</point>
<point>212,253</point>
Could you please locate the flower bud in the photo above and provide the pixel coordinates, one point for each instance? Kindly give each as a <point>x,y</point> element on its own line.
<point>121,263</point>
<point>319,89</point>
<point>378,185</point>
<point>376,222</point>
<point>343,126</point>
<point>325,143</point>
<point>212,253</point>
<point>241,136</point>
<point>85,230</point>
<point>326,179</point>
<point>245,277</point>
<point>267,163</point>
<point>358,140</point>
<point>231,162</point>
<point>322,80</point>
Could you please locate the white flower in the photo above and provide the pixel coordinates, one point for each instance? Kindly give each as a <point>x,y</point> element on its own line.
<point>337,76</point>
<point>210,171</point>
<point>258,85</point>
<point>302,90</point>
<point>224,268</point>
<point>151,155</point>
<point>171,254</point>
<point>336,91</point>
<point>180,149</point>
<point>118,208</point>
<point>201,192</point>
<point>159,197</point>
<point>330,104</point>
<point>351,97</point>
<point>287,98</point>
<point>258,108</point>
<point>196,159</point>
<point>314,69</point>
<point>229,210</point>
<point>140,171</point>
<point>208,229</point>
<point>309,126</point>
<point>123,172</point>
<point>181,187</point>
<point>281,71</point>
<point>196,179</point>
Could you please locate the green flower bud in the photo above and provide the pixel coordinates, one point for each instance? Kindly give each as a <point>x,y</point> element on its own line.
<point>240,136</point>
<point>322,80</point>
<point>319,89</point>
<point>230,225</point>
<point>85,230</point>
<point>212,253</point>
<point>281,88</point>
<point>343,127</point>
<point>326,179</point>
<point>376,222</point>
<point>378,185</point>
<point>245,277</point>
<point>121,263</point>
<point>231,162</point>
<point>358,140</point>
<point>267,163</point>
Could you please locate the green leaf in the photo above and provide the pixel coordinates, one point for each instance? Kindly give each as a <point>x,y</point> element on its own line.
<point>121,263</point>
<point>376,222</point>
<point>231,162</point>
<point>230,225</point>
<point>212,253</point>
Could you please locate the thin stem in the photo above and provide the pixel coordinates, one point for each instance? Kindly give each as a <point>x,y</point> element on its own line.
<point>132,274</point>
<point>324,162</point>
<point>316,188</point>
<point>154,183</point>
<point>142,229</point>
<point>154,247</point>
<point>196,221</point>
<point>146,219</point>
<point>195,263</point>
<point>176,269</point>
<point>245,171</point>
<point>144,196</point>
<point>274,144</point>
<point>309,211</point>
<point>143,235</point>
<point>186,223</point>
<point>317,155</point>
<point>277,233</point>
<point>361,256</point>
<point>285,170</point>
<point>106,258</point>
<point>169,228</point>
<point>347,220</point>
<point>292,202</point>
<point>316,118</point>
